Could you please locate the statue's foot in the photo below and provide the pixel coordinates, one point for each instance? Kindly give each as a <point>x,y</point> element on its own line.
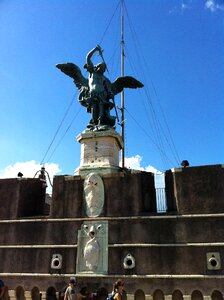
<point>101,127</point>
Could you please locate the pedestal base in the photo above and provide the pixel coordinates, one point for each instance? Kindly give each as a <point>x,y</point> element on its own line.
<point>99,152</point>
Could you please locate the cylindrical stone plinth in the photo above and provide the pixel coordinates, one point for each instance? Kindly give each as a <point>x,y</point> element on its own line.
<point>99,151</point>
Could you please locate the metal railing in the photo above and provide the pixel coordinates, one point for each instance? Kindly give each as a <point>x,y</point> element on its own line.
<point>161,200</point>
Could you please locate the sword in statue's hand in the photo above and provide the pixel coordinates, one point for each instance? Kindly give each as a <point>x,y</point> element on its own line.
<point>112,98</point>
<point>101,55</point>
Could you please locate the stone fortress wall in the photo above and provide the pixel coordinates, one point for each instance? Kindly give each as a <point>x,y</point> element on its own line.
<point>176,255</point>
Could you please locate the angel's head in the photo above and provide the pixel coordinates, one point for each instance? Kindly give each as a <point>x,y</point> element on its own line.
<point>100,68</point>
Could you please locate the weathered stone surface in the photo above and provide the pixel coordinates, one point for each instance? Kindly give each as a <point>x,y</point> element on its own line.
<point>99,150</point>
<point>125,195</point>
<point>197,189</point>
<point>170,249</point>
<point>21,198</point>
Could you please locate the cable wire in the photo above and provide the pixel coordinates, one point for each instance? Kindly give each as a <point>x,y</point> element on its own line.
<point>146,133</point>
<point>119,3</point>
<point>157,124</point>
<point>66,131</point>
<point>59,127</point>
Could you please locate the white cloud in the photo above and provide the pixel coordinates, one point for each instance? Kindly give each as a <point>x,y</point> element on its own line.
<point>29,169</point>
<point>213,5</point>
<point>134,162</point>
<point>152,169</point>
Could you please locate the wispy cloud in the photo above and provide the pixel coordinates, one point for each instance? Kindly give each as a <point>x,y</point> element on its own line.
<point>181,8</point>
<point>214,5</point>
<point>184,7</point>
<point>211,5</point>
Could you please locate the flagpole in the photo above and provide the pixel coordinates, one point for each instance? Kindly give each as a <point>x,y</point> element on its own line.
<point>122,75</point>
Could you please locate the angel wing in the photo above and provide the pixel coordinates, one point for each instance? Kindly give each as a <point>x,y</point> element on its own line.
<point>74,72</point>
<point>125,82</point>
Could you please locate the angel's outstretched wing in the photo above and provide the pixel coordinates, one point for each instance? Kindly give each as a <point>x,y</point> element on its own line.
<point>125,82</point>
<point>74,72</point>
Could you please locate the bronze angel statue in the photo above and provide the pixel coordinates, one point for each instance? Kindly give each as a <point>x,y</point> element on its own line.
<point>96,92</point>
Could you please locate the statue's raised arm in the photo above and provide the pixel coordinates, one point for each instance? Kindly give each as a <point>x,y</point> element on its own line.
<point>89,64</point>
<point>97,91</point>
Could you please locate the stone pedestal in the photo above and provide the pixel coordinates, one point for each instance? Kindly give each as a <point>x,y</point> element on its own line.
<point>99,152</point>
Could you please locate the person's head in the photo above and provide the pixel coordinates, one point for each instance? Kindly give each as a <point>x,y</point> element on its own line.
<point>100,68</point>
<point>119,285</point>
<point>72,281</point>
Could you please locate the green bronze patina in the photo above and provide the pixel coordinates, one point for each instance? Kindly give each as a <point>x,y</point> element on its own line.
<point>97,92</point>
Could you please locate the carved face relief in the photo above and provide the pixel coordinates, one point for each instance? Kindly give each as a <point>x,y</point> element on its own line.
<point>92,247</point>
<point>93,195</point>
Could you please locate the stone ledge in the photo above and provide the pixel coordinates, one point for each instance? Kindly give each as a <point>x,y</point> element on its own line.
<point>149,276</point>
<point>159,216</point>
<point>140,245</point>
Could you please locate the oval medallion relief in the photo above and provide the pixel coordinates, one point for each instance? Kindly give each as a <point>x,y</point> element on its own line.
<point>93,195</point>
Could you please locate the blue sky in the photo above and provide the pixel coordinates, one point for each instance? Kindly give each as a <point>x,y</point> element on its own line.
<point>176,48</point>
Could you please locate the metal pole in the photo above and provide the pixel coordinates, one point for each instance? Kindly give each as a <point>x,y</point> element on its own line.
<point>122,74</point>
